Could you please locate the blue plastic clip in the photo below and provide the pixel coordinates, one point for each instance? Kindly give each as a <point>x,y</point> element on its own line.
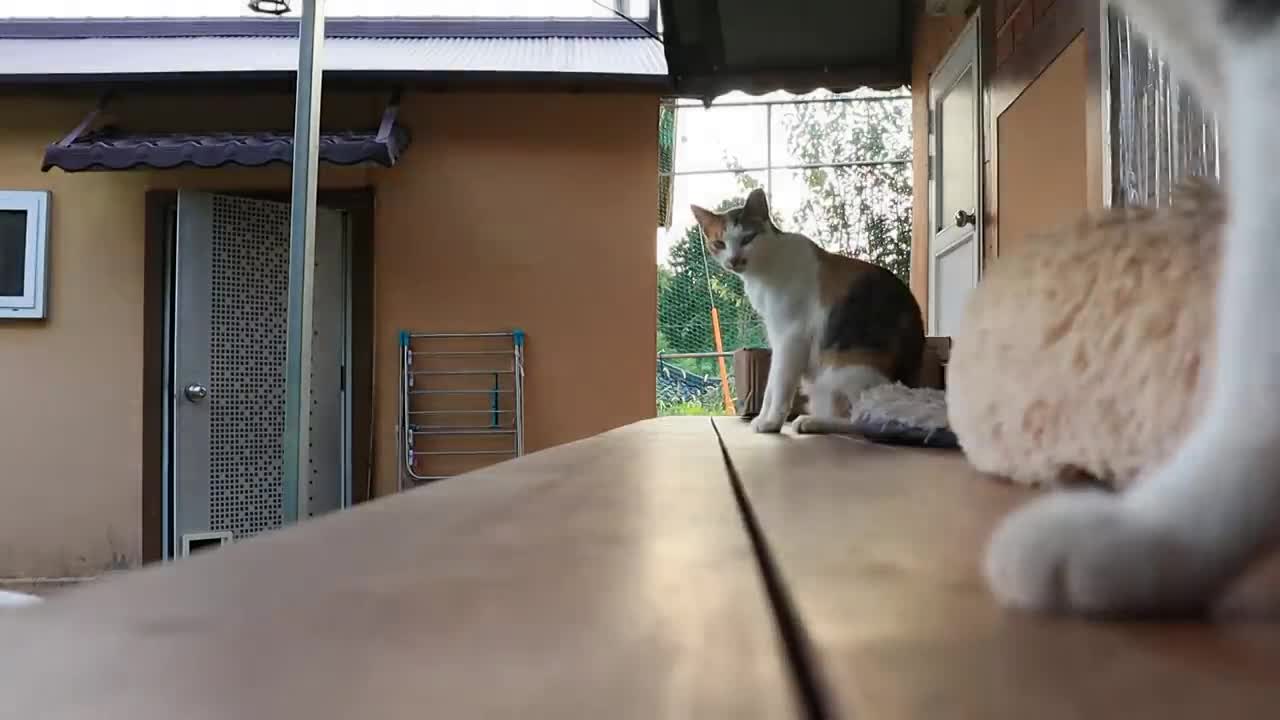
<point>518,336</point>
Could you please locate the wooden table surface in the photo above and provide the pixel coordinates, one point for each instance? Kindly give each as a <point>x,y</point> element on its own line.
<point>675,568</point>
<point>879,552</point>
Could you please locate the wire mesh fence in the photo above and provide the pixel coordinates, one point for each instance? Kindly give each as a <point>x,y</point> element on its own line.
<point>836,168</point>
<point>685,391</point>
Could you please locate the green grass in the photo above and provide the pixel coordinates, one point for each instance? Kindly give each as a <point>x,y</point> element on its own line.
<point>686,408</point>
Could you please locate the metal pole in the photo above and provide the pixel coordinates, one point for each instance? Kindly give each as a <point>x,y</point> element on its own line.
<point>518,366</point>
<point>302,246</point>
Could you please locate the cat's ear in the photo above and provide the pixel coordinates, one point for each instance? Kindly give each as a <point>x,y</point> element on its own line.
<point>757,207</point>
<point>712,223</point>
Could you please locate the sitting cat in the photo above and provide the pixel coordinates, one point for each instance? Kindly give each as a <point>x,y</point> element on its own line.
<point>1181,535</point>
<point>836,324</point>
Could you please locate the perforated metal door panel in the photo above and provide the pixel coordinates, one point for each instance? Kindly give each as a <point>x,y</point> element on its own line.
<point>231,315</point>
<point>249,306</point>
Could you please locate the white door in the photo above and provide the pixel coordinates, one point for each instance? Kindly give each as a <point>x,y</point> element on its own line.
<point>955,182</point>
<point>230,311</point>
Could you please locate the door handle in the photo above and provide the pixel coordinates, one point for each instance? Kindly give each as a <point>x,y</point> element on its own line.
<point>965,218</point>
<point>195,392</point>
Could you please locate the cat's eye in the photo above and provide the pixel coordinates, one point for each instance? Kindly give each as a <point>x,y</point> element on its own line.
<point>746,239</point>
<point>718,245</point>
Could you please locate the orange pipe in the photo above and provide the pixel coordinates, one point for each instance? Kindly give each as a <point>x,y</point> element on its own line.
<point>724,373</point>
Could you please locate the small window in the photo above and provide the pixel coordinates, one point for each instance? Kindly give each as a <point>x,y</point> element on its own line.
<point>24,239</point>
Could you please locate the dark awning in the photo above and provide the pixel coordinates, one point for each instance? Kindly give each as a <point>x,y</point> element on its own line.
<point>111,149</point>
<point>759,46</point>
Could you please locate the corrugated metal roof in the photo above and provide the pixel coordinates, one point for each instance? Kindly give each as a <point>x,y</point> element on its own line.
<point>368,27</point>
<point>141,56</point>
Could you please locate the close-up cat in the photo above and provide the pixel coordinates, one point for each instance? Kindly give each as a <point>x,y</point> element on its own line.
<point>1198,519</point>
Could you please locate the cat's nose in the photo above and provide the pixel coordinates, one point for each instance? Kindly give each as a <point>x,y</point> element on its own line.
<point>737,263</point>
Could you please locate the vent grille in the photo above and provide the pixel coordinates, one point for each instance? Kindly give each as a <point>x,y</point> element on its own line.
<point>250,281</point>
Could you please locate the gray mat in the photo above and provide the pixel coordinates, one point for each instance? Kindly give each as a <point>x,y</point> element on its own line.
<point>899,415</point>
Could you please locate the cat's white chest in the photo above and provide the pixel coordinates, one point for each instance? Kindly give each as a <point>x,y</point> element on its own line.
<point>787,310</point>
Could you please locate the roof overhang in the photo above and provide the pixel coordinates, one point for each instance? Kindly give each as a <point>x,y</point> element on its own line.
<point>108,148</point>
<point>760,46</point>
<point>524,53</point>
<point>113,150</point>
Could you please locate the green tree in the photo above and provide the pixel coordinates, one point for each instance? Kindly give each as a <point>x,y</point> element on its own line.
<point>862,210</point>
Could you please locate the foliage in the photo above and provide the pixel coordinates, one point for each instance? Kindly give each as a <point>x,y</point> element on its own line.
<point>709,403</point>
<point>858,210</point>
<point>687,288</point>
<point>687,408</point>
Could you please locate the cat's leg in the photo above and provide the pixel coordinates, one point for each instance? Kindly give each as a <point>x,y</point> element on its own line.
<point>1176,540</point>
<point>847,382</point>
<point>822,418</point>
<point>789,357</point>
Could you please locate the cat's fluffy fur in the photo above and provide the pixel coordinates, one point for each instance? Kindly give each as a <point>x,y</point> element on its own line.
<point>1178,538</point>
<point>1082,349</point>
<point>836,323</point>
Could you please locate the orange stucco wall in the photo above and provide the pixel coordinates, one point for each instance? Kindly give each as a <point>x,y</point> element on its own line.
<point>534,211</point>
<point>537,215</point>
<point>1043,155</point>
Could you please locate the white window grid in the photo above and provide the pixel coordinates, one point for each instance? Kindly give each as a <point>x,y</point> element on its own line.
<point>769,166</point>
<point>31,304</point>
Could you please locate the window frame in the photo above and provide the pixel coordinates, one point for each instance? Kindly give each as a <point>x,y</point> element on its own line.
<point>32,303</point>
<point>1156,133</point>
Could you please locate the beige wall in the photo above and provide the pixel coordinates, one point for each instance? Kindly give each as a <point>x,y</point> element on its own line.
<point>552,196</point>
<point>71,422</point>
<point>1043,152</point>
<point>537,215</point>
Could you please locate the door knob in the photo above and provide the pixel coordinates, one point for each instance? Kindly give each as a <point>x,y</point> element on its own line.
<point>195,392</point>
<point>965,218</point>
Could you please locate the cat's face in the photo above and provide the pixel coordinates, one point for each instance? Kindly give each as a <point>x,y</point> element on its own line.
<point>735,238</point>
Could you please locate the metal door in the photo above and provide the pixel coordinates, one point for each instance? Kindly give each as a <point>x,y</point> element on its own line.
<point>955,186</point>
<point>230,314</point>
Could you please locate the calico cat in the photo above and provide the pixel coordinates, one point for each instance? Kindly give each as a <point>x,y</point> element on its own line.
<point>836,324</point>
<point>1175,540</point>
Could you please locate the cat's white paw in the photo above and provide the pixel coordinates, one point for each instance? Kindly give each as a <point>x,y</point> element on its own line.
<point>763,424</point>
<point>1084,553</point>
<point>807,425</point>
<point>821,425</point>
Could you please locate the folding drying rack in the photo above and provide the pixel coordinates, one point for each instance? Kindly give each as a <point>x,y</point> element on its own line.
<point>461,398</point>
